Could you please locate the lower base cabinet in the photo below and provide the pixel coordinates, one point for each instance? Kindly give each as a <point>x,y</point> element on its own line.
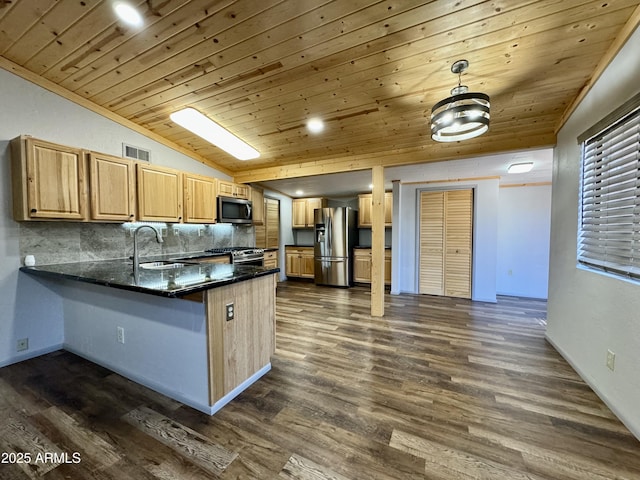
<point>362,265</point>
<point>299,262</point>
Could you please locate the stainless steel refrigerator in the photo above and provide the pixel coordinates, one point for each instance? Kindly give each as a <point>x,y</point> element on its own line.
<point>335,235</point>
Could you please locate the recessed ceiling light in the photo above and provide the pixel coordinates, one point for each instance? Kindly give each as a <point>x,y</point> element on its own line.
<point>128,14</point>
<point>370,186</point>
<point>204,127</point>
<point>520,167</point>
<point>315,125</point>
<point>299,192</point>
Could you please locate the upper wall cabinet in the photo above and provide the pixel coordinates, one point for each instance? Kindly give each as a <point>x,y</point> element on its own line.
<point>230,189</point>
<point>199,199</point>
<point>49,180</point>
<point>302,215</point>
<point>257,200</point>
<point>365,206</point>
<point>159,194</point>
<point>113,188</point>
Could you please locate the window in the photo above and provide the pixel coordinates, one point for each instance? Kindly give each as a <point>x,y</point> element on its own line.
<point>609,233</point>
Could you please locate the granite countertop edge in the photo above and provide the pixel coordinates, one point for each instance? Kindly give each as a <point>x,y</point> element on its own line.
<point>121,278</point>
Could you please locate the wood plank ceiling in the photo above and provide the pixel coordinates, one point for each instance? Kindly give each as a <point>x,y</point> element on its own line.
<point>370,69</point>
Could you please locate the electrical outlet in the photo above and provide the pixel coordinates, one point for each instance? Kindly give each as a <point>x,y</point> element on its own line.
<point>230,311</point>
<point>22,344</point>
<point>611,360</point>
<point>120,334</point>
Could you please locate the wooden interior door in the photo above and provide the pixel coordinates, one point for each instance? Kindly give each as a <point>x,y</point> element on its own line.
<point>446,233</point>
<point>458,236</point>
<point>431,280</point>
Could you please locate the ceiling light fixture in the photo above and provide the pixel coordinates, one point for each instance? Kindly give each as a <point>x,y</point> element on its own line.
<point>315,125</point>
<point>204,127</point>
<point>128,14</point>
<point>299,192</point>
<point>520,167</point>
<point>461,116</point>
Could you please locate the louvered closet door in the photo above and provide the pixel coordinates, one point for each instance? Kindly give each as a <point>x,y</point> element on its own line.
<point>458,230</point>
<point>446,228</point>
<point>432,243</point>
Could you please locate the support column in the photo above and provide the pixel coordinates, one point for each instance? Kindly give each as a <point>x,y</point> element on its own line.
<point>377,242</point>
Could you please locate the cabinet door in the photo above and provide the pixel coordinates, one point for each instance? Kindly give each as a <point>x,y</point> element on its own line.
<point>199,199</point>
<point>364,210</point>
<point>159,194</point>
<point>299,214</point>
<point>292,268</point>
<point>257,200</point>
<point>241,191</point>
<point>307,268</point>
<point>387,267</point>
<point>225,188</point>
<point>362,266</point>
<point>312,204</point>
<point>49,181</point>
<point>272,221</point>
<point>388,209</point>
<point>112,181</point>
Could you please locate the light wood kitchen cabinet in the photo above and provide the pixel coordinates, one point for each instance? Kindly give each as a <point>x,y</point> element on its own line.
<point>199,198</point>
<point>365,207</point>
<point>268,234</point>
<point>257,201</point>
<point>49,180</point>
<point>299,262</point>
<point>362,265</point>
<point>271,259</point>
<point>227,188</point>
<point>224,259</point>
<point>112,188</point>
<point>159,193</point>
<point>302,214</point>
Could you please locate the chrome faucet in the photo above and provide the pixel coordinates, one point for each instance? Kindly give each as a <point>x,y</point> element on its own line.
<point>136,260</point>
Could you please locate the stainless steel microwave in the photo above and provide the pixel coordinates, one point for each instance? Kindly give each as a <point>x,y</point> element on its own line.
<point>234,210</point>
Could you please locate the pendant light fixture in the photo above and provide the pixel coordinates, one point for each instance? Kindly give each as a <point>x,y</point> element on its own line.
<point>461,116</point>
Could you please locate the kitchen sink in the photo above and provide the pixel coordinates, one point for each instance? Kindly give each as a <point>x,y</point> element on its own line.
<point>161,265</point>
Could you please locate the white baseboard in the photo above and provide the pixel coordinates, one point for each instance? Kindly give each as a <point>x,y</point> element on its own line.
<point>175,395</point>
<point>596,390</point>
<point>31,354</point>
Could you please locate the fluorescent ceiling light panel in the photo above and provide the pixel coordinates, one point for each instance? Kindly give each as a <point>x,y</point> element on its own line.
<point>128,14</point>
<point>520,167</point>
<point>204,127</point>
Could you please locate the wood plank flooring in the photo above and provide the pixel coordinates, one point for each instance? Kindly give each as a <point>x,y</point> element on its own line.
<point>439,388</point>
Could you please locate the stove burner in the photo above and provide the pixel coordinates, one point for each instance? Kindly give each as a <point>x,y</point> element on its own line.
<point>239,255</point>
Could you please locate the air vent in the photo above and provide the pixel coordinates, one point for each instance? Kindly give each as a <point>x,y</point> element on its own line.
<point>137,153</point>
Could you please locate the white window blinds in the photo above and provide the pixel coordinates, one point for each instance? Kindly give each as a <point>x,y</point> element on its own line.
<point>609,236</point>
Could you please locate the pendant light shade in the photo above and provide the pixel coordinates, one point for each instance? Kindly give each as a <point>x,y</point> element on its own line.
<point>461,116</point>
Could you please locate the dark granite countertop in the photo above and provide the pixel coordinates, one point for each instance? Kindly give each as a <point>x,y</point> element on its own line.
<point>364,246</point>
<point>192,277</point>
<point>299,246</point>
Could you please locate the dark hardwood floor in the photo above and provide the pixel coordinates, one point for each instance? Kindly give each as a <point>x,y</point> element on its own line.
<point>437,389</point>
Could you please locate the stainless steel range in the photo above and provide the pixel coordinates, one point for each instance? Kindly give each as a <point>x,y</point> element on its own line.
<point>242,255</point>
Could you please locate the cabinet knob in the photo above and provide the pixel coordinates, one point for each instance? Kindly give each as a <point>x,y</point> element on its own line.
<point>34,210</point>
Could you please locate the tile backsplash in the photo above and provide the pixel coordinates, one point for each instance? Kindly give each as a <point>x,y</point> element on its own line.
<point>65,242</point>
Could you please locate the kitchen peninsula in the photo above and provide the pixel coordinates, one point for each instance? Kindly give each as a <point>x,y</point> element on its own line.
<point>198,332</point>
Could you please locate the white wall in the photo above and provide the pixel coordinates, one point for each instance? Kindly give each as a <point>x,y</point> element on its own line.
<point>28,308</point>
<point>524,221</point>
<point>588,312</point>
<point>405,237</point>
